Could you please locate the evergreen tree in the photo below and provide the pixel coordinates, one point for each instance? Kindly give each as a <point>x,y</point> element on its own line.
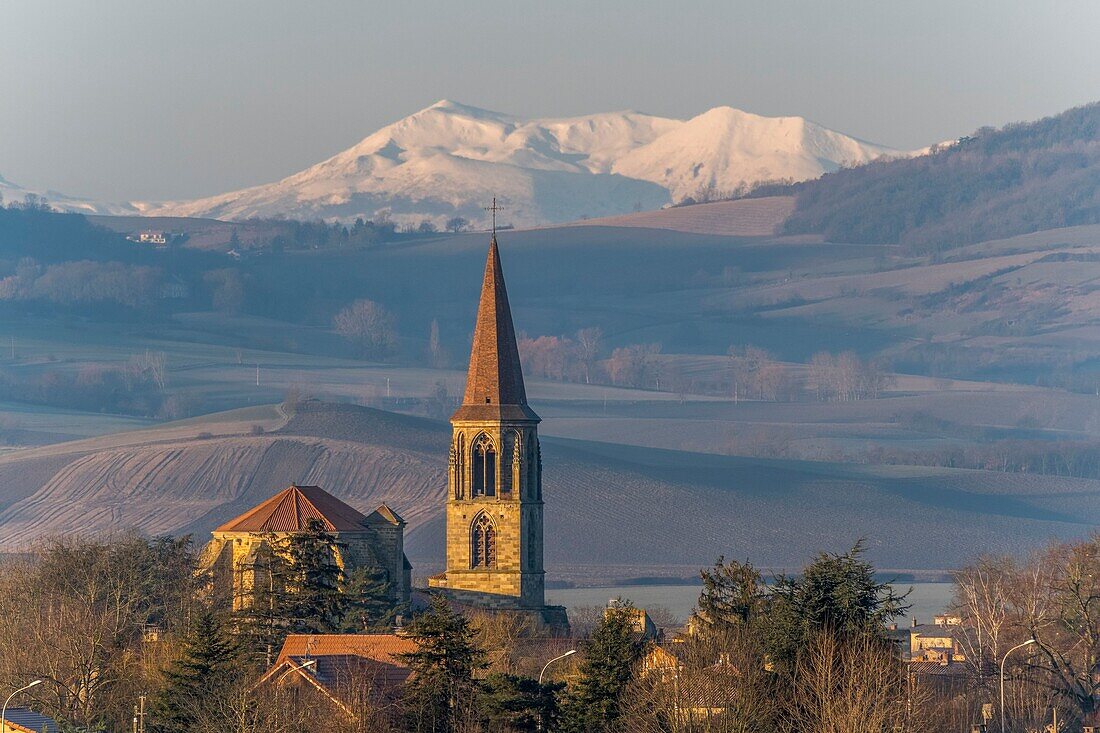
<point>370,601</point>
<point>508,702</point>
<point>836,594</point>
<point>208,664</point>
<point>315,600</point>
<point>732,595</point>
<point>297,588</point>
<point>442,692</point>
<point>263,618</point>
<point>614,648</point>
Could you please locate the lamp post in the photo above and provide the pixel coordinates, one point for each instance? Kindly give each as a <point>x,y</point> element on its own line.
<point>569,653</point>
<point>4,709</point>
<point>303,665</point>
<point>1003,660</point>
<point>563,656</point>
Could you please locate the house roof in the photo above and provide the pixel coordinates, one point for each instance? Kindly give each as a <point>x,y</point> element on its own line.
<point>939,669</point>
<point>935,630</point>
<point>339,659</point>
<point>711,688</point>
<point>494,381</point>
<point>380,647</point>
<point>29,721</point>
<point>291,509</point>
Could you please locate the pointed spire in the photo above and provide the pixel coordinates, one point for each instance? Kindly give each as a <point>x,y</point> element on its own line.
<point>494,382</point>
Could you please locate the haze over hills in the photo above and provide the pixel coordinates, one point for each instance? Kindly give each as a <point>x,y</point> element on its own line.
<point>449,159</point>
<point>14,193</point>
<point>643,511</point>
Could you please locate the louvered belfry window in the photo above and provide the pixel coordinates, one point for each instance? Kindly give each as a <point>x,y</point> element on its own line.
<point>485,467</point>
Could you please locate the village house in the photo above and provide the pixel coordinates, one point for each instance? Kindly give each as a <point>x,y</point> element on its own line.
<point>350,673</point>
<point>941,641</point>
<point>149,236</point>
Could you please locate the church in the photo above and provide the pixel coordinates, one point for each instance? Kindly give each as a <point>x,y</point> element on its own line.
<point>494,501</point>
<point>494,475</point>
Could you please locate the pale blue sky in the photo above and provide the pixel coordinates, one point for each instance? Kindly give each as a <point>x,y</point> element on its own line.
<point>121,99</point>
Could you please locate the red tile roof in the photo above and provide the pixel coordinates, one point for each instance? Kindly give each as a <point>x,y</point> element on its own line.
<point>376,657</point>
<point>494,382</point>
<point>380,647</point>
<point>291,509</point>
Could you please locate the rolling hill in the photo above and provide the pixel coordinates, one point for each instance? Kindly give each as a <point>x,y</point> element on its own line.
<point>611,508</point>
<point>995,183</point>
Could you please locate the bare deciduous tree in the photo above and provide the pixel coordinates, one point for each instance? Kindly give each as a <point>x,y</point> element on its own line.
<point>369,326</point>
<point>589,343</point>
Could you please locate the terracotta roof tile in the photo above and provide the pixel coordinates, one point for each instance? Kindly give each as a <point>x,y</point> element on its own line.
<point>494,382</point>
<point>380,647</point>
<point>291,509</point>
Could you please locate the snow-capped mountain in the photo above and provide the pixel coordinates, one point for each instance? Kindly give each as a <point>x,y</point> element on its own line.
<point>13,193</point>
<point>450,159</point>
<point>730,149</point>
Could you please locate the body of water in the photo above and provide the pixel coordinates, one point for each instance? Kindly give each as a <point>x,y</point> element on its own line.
<point>926,599</point>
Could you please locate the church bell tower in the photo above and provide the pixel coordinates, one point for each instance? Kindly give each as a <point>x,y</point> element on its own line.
<point>494,477</point>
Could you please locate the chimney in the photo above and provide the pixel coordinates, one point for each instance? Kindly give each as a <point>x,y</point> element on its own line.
<point>893,627</point>
<point>914,622</point>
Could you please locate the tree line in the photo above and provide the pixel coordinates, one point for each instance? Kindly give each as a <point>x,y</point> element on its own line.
<point>103,621</point>
<point>992,184</point>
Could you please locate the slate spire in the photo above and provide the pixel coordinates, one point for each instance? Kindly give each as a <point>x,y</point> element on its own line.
<point>494,382</point>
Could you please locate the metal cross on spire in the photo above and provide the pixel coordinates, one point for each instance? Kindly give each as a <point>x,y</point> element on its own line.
<point>494,209</point>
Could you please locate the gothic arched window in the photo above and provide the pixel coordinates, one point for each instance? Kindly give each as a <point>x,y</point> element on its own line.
<point>485,467</point>
<point>483,543</point>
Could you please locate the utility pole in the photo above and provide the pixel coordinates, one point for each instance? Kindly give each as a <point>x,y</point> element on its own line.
<point>139,715</point>
<point>257,374</point>
<point>13,348</point>
<point>387,387</point>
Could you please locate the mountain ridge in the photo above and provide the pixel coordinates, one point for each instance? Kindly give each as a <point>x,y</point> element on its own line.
<point>448,159</point>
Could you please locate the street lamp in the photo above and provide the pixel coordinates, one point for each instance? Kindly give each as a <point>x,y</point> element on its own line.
<point>1003,660</point>
<point>4,710</point>
<point>310,663</point>
<point>569,653</point>
<point>563,656</point>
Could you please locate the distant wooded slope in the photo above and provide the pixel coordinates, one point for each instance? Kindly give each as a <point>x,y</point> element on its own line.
<point>1024,177</point>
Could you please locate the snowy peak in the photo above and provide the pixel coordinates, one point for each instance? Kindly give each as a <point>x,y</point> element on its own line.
<point>447,159</point>
<point>727,149</point>
<point>11,193</point>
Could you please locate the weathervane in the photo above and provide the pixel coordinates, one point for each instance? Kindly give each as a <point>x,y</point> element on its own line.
<point>494,209</point>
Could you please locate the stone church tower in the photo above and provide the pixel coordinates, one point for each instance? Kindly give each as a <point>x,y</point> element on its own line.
<point>494,499</point>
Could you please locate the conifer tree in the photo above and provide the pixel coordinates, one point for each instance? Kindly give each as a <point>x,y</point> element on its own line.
<point>262,620</point>
<point>442,692</point>
<point>370,601</point>
<point>733,594</point>
<point>610,655</point>
<point>836,595</point>
<point>208,664</point>
<point>508,702</point>
<point>315,600</point>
